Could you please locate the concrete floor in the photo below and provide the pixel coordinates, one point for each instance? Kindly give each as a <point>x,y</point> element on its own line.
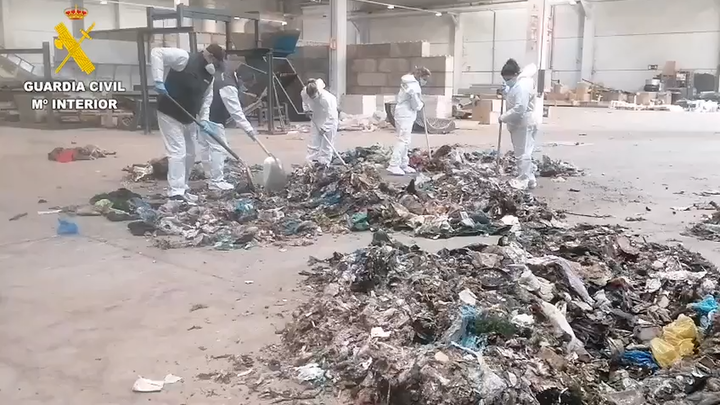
<point>84,316</point>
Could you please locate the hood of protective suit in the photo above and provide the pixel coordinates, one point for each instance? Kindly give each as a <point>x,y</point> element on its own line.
<point>320,84</point>
<point>528,71</point>
<point>409,80</point>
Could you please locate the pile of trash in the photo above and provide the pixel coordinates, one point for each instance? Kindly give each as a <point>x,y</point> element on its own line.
<point>89,152</point>
<point>709,227</point>
<point>549,315</point>
<point>456,193</point>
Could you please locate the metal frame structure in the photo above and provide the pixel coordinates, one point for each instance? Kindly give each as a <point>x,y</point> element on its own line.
<point>47,65</point>
<point>197,13</point>
<point>271,94</point>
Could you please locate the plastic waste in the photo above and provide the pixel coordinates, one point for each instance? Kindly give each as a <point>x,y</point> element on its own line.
<point>67,227</point>
<point>310,372</point>
<point>707,308</point>
<point>677,341</point>
<point>144,210</point>
<point>561,325</point>
<point>640,358</point>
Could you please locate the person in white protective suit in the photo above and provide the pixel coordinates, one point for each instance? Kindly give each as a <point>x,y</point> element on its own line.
<point>409,103</point>
<point>322,108</point>
<point>190,83</point>
<point>225,105</point>
<point>520,118</point>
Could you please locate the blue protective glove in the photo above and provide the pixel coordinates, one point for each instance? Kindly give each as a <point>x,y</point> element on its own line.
<point>160,88</point>
<point>208,127</point>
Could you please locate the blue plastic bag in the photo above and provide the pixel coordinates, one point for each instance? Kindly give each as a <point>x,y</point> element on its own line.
<point>707,305</point>
<point>67,227</point>
<point>707,309</point>
<point>641,359</point>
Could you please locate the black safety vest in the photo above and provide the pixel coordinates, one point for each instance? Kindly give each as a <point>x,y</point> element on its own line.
<point>188,88</point>
<point>218,112</point>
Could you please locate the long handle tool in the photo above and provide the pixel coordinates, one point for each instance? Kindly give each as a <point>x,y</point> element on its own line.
<point>499,156</point>
<point>216,139</point>
<point>337,154</point>
<point>427,136</point>
<point>274,176</point>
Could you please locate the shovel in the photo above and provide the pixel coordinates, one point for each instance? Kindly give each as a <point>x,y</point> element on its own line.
<point>274,177</point>
<point>216,139</point>
<point>330,145</point>
<point>499,156</point>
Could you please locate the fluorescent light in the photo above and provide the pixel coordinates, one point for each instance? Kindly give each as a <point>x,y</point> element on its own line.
<point>438,14</point>
<point>103,2</point>
<point>283,23</point>
<point>390,6</point>
<point>237,18</point>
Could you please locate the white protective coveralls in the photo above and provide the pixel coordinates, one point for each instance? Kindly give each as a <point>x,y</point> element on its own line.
<point>211,153</point>
<point>325,120</point>
<point>522,123</point>
<point>409,102</point>
<point>179,138</point>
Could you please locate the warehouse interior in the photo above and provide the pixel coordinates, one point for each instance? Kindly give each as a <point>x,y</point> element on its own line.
<point>575,43</point>
<point>448,285</point>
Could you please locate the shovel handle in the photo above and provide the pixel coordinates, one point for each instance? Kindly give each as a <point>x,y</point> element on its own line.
<point>211,135</point>
<point>267,152</point>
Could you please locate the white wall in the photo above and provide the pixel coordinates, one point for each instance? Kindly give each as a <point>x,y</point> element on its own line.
<point>629,36</point>
<point>29,23</point>
<point>315,27</point>
<point>632,34</point>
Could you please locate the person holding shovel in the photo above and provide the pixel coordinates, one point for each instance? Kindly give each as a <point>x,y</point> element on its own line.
<point>520,118</point>
<point>322,107</point>
<point>190,84</point>
<point>409,103</point>
<point>225,105</point>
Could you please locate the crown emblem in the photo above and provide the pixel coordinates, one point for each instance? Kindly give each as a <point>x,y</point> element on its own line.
<point>76,13</point>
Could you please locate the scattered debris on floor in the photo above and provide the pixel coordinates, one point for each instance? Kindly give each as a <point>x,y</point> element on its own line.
<point>156,169</point>
<point>18,216</point>
<point>89,152</point>
<point>146,385</point>
<point>550,315</point>
<point>548,167</point>
<point>457,193</point>
<point>709,226</point>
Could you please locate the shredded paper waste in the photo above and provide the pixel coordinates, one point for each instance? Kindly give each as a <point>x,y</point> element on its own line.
<point>457,193</point>
<point>581,315</point>
<point>548,314</point>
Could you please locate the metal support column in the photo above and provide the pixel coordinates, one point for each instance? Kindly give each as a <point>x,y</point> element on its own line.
<point>271,92</point>
<point>142,61</point>
<point>78,25</point>
<point>588,45</point>
<point>456,47</point>
<point>47,75</point>
<point>338,46</point>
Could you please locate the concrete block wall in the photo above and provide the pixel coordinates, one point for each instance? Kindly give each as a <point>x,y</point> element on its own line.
<point>377,68</point>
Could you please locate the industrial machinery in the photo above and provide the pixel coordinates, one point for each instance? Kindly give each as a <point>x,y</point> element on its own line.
<point>276,95</point>
<point>434,125</point>
<point>11,88</point>
<point>143,99</point>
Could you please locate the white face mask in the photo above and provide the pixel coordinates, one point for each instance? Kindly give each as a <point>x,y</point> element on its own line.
<point>210,68</point>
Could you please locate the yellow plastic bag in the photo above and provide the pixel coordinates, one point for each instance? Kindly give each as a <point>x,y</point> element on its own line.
<point>677,341</point>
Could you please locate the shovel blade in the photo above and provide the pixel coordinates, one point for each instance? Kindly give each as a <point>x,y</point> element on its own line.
<point>274,176</point>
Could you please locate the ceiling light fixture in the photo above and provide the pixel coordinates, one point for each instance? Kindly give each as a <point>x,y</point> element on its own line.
<point>103,2</point>
<point>390,6</point>
<point>438,14</point>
